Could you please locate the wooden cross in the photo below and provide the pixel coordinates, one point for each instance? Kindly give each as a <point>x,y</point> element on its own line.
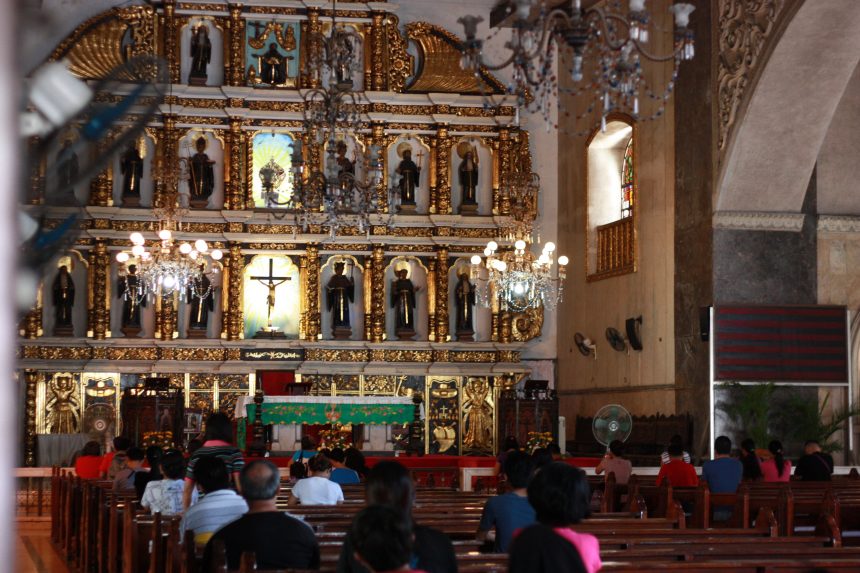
<point>269,281</point>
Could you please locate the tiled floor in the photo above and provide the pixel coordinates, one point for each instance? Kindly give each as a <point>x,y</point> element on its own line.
<point>34,551</point>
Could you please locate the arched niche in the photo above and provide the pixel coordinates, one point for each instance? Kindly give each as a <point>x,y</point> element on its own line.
<point>147,311</point>
<point>357,75</point>
<point>277,148</point>
<point>215,151</point>
<point>482,319</point>
<point>484,191</point>
<point>353,269</point>
<point>421,156</point>
<point>287,309</point>
<point>215,69</point>
<point>60,163</point>
<point>76,263</point>
<point>417,273</point>
<point>611,198</point>
<point>215,274</point>
<point>145,145</point>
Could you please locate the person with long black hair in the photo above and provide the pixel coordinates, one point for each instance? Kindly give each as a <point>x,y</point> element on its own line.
<point>749,460</point>
<point>777,468</point>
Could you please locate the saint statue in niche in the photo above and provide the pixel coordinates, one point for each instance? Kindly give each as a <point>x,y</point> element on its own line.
<point>201,295</point>
<point>273,66</point>
<point>62,406</point>
<point>340,291</point>
<point>131,167</point>
<point>479,415</point>
<point>403,303</point>
<point>130,289</point>
<point>202,176</point>
<point>410,174</point>
<point>201,55</point>
<point>63,294</point>
<point>465,297</point>
<point>67,175</point>
<point>468,175</point>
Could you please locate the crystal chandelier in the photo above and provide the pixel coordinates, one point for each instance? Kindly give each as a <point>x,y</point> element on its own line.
<point>614,40</point>
<point>165,267</point>
<point>519,279</point>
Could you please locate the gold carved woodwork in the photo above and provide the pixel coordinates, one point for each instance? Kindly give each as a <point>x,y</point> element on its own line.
<point>96,47</point>
<point>377,294</point>
<point>333,355</point>
<point>511,356</point>
<point>505,320</point>
<point>407,355</point>
<point>377,52</point>
<point>168,317</point>
<point>31,381</point>
<point>235,58</point>
<point>169,32</point>
<point>200,354</point>
<point>167,155</point>
<point>478,408</point>
<point>442,319</point>
<point>99,294</point>
<point>378,385</point>
<point>367,289</point>
<point>313,40</point>
<point>63,405</point>
<point>505,166</point>
<point>527,325</point>
<point>30,326</point>
<point>303,297</point>
<point>101,186</point>
<point>443,178</point>
<point>235,265</point>
<point>439,67</point>
<point>313,318</point>
<point>431,299</point>
<point>247,187</point>
<point>479,356</point>
<point>400,62</point>
<point>236,142</point>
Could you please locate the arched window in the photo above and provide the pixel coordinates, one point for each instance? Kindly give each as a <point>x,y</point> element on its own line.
<point>628,189</point>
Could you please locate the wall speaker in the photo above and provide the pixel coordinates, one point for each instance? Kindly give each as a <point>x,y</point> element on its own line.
<point>705,323</point>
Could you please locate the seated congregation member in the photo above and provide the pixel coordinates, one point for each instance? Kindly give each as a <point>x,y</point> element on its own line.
<point>219,505</point>
<point>614,462</point>
<point>278,540</point>
<point>124,478</point>
<point>382,540</point>
<point>341,474</point>
<point>777,468</point>
<point>560,496</point>
<point>354,460</point>
<point>317,489</point>
<point>88,463</point>
<point>511,511</point>
<point>723,473</point>
<point>389,484</point>
<point>678,472</point>
<point>153,460</point>
<point>307,450</point>
<point>814,465</point>
<point>665,457</point>
<point>111,466</point>
<point>164,496</point>
<point>511,445</point>
<point>217,442</point>
<point>750,461</point>
<point>541,457</point>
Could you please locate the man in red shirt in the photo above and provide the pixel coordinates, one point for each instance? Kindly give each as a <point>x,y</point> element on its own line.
<point>677,471</point>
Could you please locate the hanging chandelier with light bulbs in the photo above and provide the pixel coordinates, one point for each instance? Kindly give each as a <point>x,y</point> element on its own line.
<point>518,279</point>
<point>609,39</point>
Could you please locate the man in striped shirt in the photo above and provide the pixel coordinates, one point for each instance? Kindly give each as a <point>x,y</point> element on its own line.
<point>219,505</point>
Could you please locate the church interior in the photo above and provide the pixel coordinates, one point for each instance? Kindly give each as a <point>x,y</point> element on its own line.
<point>420,229</point>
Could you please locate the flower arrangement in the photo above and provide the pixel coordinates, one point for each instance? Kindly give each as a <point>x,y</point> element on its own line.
<point>538,440</point>
<point>163,439</point>
<point>335,437</point>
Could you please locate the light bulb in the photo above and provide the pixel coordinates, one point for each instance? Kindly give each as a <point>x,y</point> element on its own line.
<point>201,245</point>
<point>549,247</point>
<point>520,245</point>
<point>563,260</point>
<point>216,254</point>
<point>543,259</point>
<point>519,288</point>
<point>165,234</point>
<point>476,260</point>
<point>184,248</point>
<point>122,257</point>
<point>193,255</point>
<point>637,5</point>
<point>136,238</point>
<point>492,245</point>
<point>682,12</point>
<point>137,250</point>
<point>488,252</point>
<point>502,266</point>
<point>145,256</point>
<point>169,281</point>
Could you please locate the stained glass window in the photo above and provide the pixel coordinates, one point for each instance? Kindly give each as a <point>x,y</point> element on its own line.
<point>628,187</point>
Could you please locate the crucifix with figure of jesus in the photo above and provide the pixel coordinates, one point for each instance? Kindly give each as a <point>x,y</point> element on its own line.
<point>271,282</point>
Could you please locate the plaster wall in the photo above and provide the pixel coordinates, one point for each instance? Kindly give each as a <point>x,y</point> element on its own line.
<point>643,381</point>
<point>837,167</point>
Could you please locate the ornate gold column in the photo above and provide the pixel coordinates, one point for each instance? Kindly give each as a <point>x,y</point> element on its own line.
<point>505,318</point>
<point>235,264</point>
<point>377,130</point>
<point>313,323</point>
<point>168,34</point>
<point>99,277</point>
<point>167,156</point>
<point>497,179</point>
<point>505,148</point>
<point>234,197</point>
<point>377,294</point>
<point>303,297</point>
<point>31,381</point>
<point>234,57</point>
<point>443,168</point>
<point>495,322</point>
<point>31,324</point>
<point>377,52</point>
<point>101,186</point>
<point>367,278</point>
<point>442,319</point>
<point>168,317</point>
<point>314,29</point>
<point>431,300</point>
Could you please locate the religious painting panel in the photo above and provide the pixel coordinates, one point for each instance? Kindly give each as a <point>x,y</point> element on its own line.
<point>406,299</point>
<point>471,177</point>
<point>408,158</point>
<point>478,410</point>
<point>133,181</point>
<point>64,296</point>
<point>443,415</point>
<point>101,400</point>
<point>342,296</point>
<point>201,52</point>
<point>272,53</point>
<point>132,311</point>
<point>271,175</point>
<point>271,302</point>
<point>201,157</point>
<point>469,319</point>
<point>200,315</point>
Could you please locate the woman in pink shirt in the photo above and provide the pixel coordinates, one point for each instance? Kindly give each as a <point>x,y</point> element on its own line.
<point>776,468</point>
<point>560,496</point>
